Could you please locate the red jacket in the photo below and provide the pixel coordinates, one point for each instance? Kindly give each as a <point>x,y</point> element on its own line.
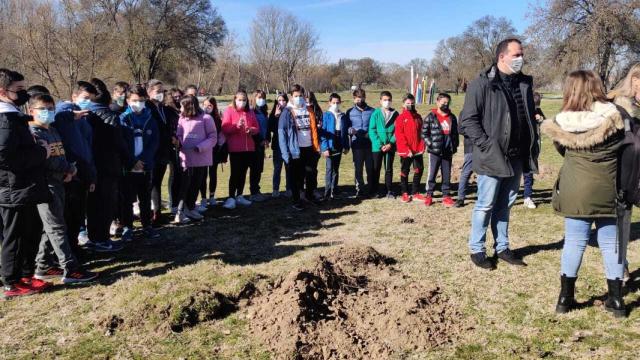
<point>409,141</point>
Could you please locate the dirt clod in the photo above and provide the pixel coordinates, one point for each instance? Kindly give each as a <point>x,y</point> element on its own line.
<point>351,303</point>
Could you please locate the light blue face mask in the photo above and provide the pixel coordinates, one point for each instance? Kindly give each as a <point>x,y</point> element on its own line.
<point>46,117</point>
<point>84,104</point>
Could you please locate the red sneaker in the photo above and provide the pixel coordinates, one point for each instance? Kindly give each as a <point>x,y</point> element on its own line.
<point>35,284</point>
<point>448,201</point>
<point>419,197</point>
<point>406,198</point>
<point>17,290</point>
<point>428,200</point>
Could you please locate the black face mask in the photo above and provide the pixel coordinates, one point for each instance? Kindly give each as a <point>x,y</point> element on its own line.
<point>22,99</point>
<point>444,107</point>
<point>411,108</point>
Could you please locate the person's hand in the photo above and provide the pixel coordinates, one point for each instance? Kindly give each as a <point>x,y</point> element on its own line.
<point>352,131</point>
<point>326,153</point>
<point>67,178</point>
<point>175,141</point>
<point>139,165</point>
<point>92,187</point>
<point>345,151</point>
<point>79,114</point>
<point>410,154</point>
<point>47,148</point>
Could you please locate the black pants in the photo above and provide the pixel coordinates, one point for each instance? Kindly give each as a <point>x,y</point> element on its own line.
<point>240,162</point>
<point>136,186</point>
<point>175,170</point>
<point>213,182</point>
<point>363,158</point>
<point>190,182</point>
<point>405,167</point>
<point>436,163</point>
<point>256,169</point>
<point>379,159</point>
<point>75,212</point>
<point>156,185</point>
<point>101,208</point>
<point>22,234</point>
<point>304,173</point>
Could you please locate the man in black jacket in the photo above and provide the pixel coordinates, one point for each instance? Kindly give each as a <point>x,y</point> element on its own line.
<point>22,187</point>
<point>498,118</point>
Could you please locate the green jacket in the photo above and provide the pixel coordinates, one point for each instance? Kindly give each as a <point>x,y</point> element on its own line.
<point>381,132</point>
<point>589,141</point>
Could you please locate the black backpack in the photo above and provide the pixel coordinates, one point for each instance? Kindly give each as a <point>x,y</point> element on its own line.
<point>629,162</point>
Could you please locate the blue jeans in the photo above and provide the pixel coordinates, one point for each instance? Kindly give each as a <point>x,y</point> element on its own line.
<point>277,170</point>
<point>528,184</point>
<point>496,196</point>
<point>576,237</point>
<point>332,174</point>
<point>465,175</point>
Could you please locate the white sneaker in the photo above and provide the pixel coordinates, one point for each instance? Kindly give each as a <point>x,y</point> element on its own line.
<point>529,204</point>
<point>113,229</point>
<point>257,198</point>
<point>193,214</point>
<point>181,218</point>
<point>136,209</point>
<point>242,201</point>
<point>212,201</point>
<point>275,194</point>
<point>230,204</point>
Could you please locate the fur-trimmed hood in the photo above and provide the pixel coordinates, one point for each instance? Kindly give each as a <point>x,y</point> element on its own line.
<point>629,104</point>
<point>584,129</point>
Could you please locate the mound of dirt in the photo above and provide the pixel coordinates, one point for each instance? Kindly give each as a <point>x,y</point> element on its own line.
<point>351,304</point>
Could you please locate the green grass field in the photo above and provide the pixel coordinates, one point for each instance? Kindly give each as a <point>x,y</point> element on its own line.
<point>507,313</point>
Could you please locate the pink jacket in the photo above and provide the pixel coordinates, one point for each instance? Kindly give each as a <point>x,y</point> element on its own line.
<point>197,138</point>
<point>238,140</point>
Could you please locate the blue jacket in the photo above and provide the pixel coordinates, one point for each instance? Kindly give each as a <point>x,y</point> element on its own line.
<point>331,141</point>
<point>358,120</point>
<point>76,139</point>
<point>263,123</point>
<point>288,135</point>
<point>150,137</point>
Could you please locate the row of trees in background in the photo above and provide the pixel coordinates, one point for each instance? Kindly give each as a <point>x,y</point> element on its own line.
<point>59,42</point>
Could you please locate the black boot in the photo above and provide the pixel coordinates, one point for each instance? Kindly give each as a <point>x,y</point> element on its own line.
<point>615,303</point>
<point>566,300</point>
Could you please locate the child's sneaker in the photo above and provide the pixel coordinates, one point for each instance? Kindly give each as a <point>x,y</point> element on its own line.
<point>79,276</point>
<point>113,229</point>
<point>257,198</point>
<point>193,214</point>
<point>35,284</point>
<point>230,204</point>
<point>448,201</point>
<point>213,202</point>
<point>201,209</point>
<point>181,218</point>
<point>242,201</point>
<point>529,204</point>
<point>406,198</point>
<point>83,236</point>
<point>49,274</point>
<point>275,194</point>
<point>428,200</point>
<point>16,290</point>
<point>127,234</point>
<point>419,197</point>
<point>150,233</point>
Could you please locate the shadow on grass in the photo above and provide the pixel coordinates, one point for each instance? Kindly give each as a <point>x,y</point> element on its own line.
<point>256,234</point>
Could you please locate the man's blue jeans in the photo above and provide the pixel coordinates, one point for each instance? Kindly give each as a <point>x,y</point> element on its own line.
<point>496,196</point>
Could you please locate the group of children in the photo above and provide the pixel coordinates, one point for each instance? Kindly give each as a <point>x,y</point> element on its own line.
<point>73,175</point>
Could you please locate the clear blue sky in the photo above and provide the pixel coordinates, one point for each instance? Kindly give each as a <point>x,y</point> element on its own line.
<point>388,31</point>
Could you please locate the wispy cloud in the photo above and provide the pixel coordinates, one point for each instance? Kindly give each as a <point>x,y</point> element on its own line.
<point>326,3</point>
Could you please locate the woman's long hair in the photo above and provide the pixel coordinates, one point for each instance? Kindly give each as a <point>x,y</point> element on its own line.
<point>275,106</point>
<point>625,87</point>
<point>581,89</point>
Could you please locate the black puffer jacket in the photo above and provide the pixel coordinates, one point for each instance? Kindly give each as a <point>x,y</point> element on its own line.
<point>110,151</point>
<point>167,124</point>
<point>437,142</point>
<point>486,120</point>
<point>22,172</point>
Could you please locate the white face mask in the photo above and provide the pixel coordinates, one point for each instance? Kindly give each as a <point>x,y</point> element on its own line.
<point>516,64</point>
<point>240,104</point>
<point>298,101</point>
<point>386,104</point>
<point>208,110</point>
<point>260,102</point>
<point>334,107</point>
<point>137,106</point>
<point>159,97</point>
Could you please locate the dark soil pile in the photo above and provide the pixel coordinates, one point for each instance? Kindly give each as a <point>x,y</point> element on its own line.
<point>351,303</point>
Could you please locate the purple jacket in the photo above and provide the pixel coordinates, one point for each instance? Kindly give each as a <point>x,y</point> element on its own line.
<point>197,138</point>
